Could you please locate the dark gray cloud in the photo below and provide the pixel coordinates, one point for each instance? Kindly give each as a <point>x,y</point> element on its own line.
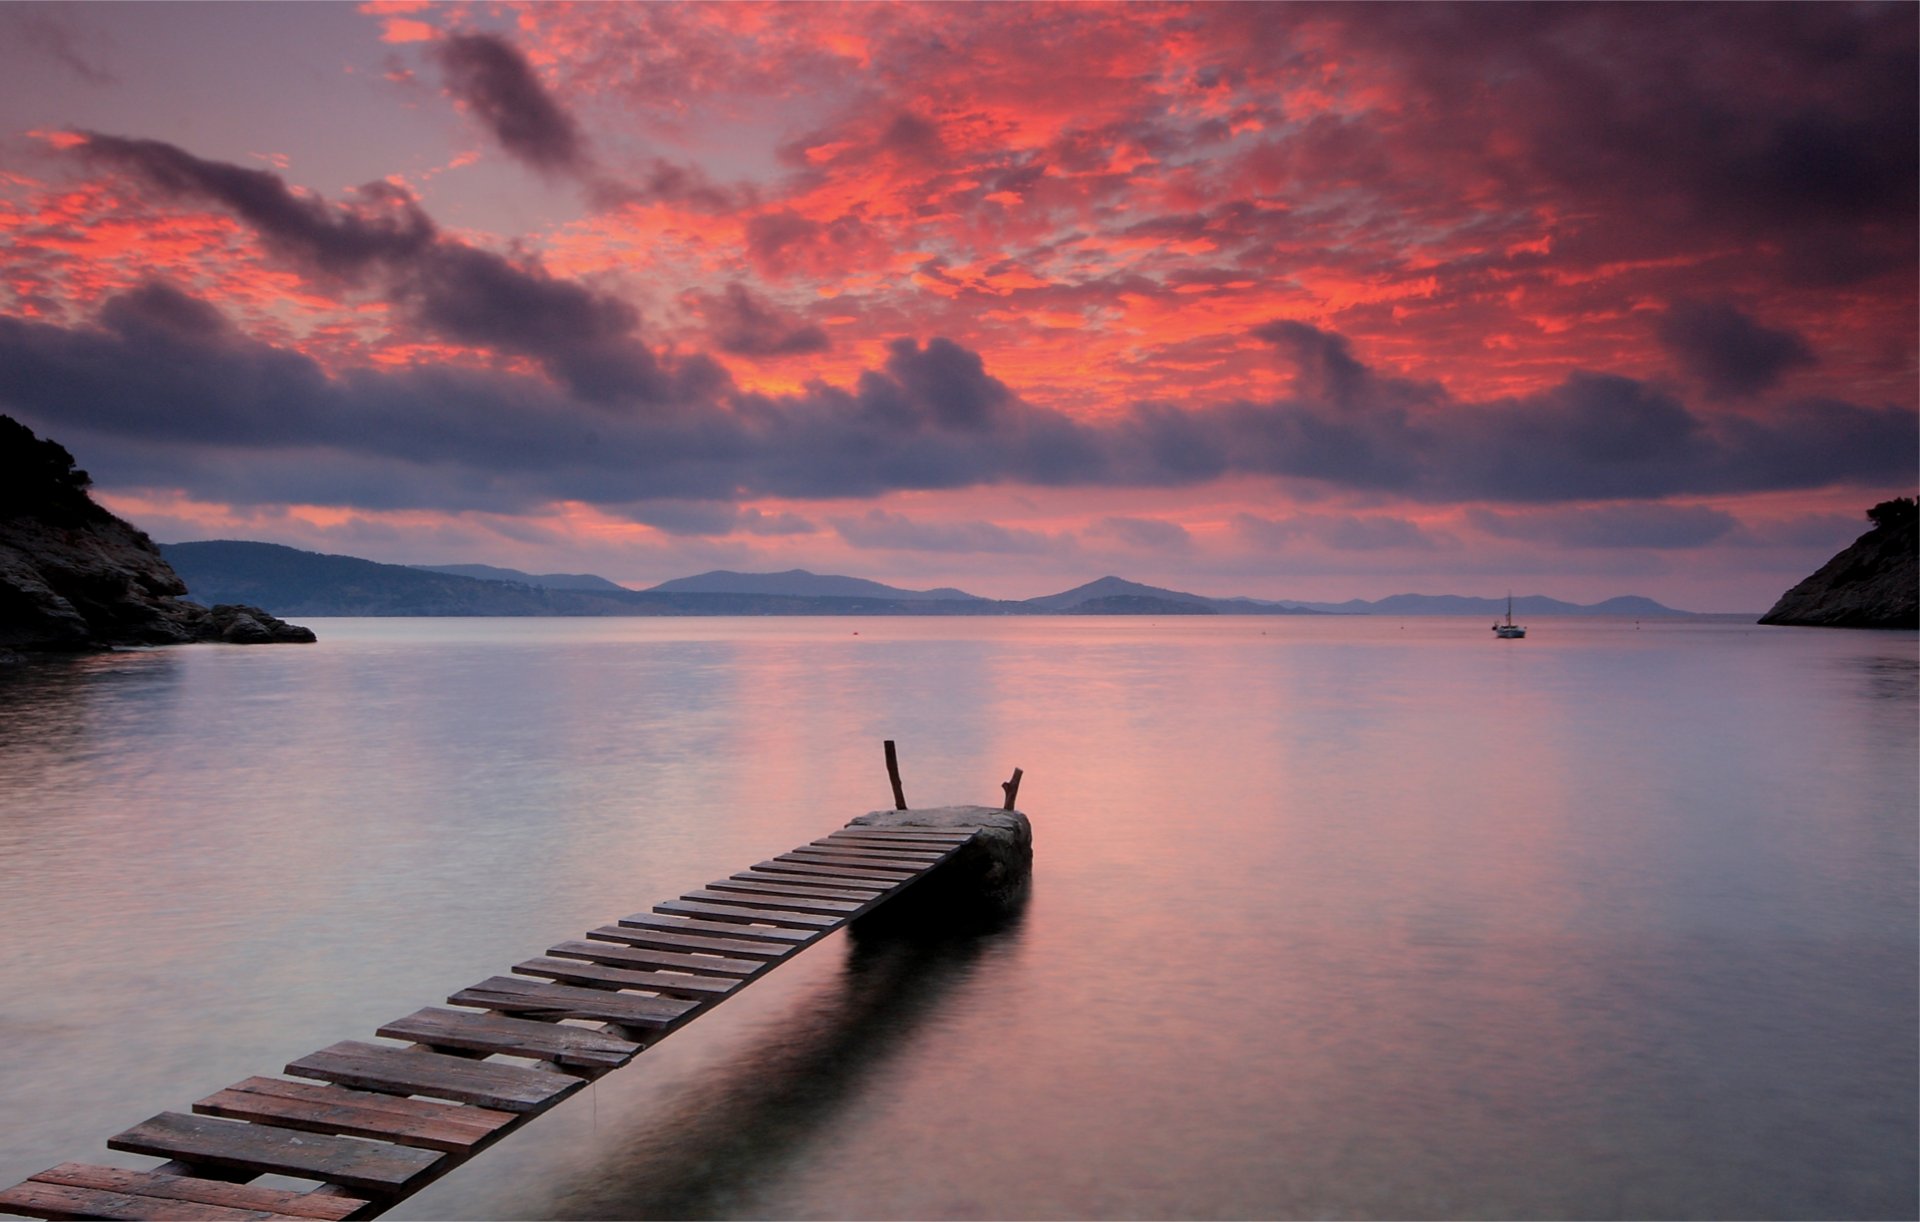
<point>878,529</point>
<point>1609,526</point>
<point>1340,532</point>
<point>46,30</point>
<point>384,227</point>
<point>162,391</point>
<point>744,324</point>
<point>1777,123</point>
<point>490,77</point>
<point>1145,534</point>
<point>1732,355</point>
<point>587,340</point>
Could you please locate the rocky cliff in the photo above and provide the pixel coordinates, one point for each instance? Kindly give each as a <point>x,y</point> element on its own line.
<point>1875,583</point>
<point>74,577</point>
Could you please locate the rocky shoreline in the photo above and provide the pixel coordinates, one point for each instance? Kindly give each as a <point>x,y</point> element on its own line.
<point>74,578</point>
<point>1873,583</point>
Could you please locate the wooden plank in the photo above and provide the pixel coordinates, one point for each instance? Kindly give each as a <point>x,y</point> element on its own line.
<point>923,857</point>
<point>510,994</point>
<point>752,916</point>
<point>777,903</point>
<point>153,1186</point>
<point>409,1071</point>
<point>870,859</point>
<point>38,1199</point>
<point>582,1047</point>
<point>353,1113</point>
<point>369,1166</point>
<point>790,938</point>
<point>892,842</point>
<point>873,865</point>
<point>666,939</point>
<point>580,971</point>
<point>775,884</point>
<point>848,874</point>
<point>939,835</point>
<point>642,959</point>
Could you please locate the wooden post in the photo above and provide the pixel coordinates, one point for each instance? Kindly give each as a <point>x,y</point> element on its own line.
<point>893,774</point>
<point>1012,787</point>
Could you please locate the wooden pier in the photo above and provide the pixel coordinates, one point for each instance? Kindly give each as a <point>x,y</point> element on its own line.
<point>370,1124</point>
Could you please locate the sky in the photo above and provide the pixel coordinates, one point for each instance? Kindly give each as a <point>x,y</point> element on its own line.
<point>1281,300</point>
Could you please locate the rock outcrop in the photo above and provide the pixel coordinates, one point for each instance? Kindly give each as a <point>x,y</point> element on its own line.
<point>979,888</point>
<point>74,577</point>
<point>1875,583</point>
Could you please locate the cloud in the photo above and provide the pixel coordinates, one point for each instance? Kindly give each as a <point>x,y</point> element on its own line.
<point>1145,534</point>
<point>585,339</point>
<point>175,396</point>
<point>385,225</point>
<point>758,522</point>
<point>1730,353</point>
<point>744,324</point>
<point>1655,526</point>
<point>878,529</point>
<point>1337,532</point>
<point>38,27</point>
<point>492,80</point>
<point>686,518</point>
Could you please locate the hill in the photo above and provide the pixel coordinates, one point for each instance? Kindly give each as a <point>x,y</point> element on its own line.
<point>546,581</point>
<point>295,582</point>
<point>1531,605</point>
<point>800,583</point>
<point>1873,583</point>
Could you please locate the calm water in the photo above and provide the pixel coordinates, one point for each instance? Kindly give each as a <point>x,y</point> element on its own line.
<point>1331,918</point>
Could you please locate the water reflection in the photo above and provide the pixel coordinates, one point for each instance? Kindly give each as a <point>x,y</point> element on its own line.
<point>705,1157</point>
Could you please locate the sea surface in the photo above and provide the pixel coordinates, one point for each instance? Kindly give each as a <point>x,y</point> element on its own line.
<point>1331,917</point>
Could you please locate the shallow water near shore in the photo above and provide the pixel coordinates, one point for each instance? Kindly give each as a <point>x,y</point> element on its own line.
<point>1344,917</point>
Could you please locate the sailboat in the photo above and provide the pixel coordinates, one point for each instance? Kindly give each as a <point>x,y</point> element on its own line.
<point>1509,630</point>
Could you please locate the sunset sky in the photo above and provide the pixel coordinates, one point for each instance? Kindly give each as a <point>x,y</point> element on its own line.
<point>1268,299</point>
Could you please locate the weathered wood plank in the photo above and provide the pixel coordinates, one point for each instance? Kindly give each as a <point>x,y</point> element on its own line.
<point>820,857</point>
<point>37,1198</point>
<point>642,959</point>
<point>277,1202</point>
<point>778,884</point>
<point>790,938</point>
<point>777,903</point>
<point>914,846</point>
<point>872,858</point>
<point>930,835</point>
<point>510,994</point>
<point>842,874</point>
<point>369,1166</point>
<point>666,939</point>
<point>347,1113</point>
<point>409,1071</point>
<point>599,975</point>
<point>582,1047</point>
<point>922,857</point>
<point>752,916</point>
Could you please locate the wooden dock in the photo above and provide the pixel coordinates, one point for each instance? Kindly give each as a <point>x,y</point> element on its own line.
<point>370,1124</point>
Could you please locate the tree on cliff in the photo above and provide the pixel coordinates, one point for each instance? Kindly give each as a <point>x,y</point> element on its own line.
<point>40,477</point>
<point>1894,514</point>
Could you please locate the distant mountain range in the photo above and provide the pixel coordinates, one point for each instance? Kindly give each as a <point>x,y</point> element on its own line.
<point>287,581</point>
<point>546,581</point>
<point>802,584</point>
